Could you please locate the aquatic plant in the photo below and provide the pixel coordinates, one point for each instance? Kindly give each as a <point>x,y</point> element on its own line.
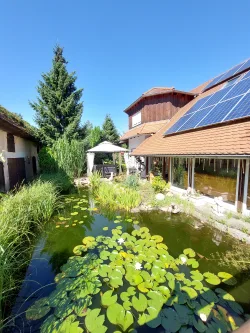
<point>21,215</point>
<point>117,197</point>
<point>60,179</point>
<point>111,285</point>
<point>95,180</point>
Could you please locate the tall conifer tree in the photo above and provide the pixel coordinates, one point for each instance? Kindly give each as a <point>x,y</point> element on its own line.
<point>109,131</point>
<point>58,107</point>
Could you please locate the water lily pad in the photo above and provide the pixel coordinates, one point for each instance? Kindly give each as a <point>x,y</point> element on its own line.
<point>74,213</point>
<point>117,221</point>
<point>209,295</point>
<point>105,228</point>
<point>140,303</point>
<point>189,252</point>
<point>80,306</point>
<point>118,316</point>
<point>192,293</point>
<point>127,305</point>
<point>227,278</point>
<point>196,275</point>
<point>38,310</point>
<point>211,278</point>
<point>170,320</point>
<point>183,313</point>
<point>107,298</point>
<point>153,318</point>
<point>131,291</point>
<point>193,263</point>
<point>157,238</point>
<point>94,321</point>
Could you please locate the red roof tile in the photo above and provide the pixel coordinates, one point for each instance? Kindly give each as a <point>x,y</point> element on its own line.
<point>147,128</point>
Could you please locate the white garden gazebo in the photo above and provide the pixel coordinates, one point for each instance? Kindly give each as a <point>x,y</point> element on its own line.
<point>106,147</point>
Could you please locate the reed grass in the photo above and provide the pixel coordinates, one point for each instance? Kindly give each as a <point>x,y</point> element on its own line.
<point>22,215</point>
<point>118,197</point>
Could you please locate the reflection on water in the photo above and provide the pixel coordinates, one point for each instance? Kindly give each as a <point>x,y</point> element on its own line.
<point>179,232</point>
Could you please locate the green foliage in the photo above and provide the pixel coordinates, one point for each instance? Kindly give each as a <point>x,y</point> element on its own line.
<point>21,215</point>
<point>64,156</point>
<point>95,137</point>
<point>163,291</point>
<point>95,180</point>
<point>18,119</point>
<point>109,131</point>
<point>116,196</point>
<point>58,108</point>
<point>132,181</point>
<point>159,184</point>
<point>59,179</point>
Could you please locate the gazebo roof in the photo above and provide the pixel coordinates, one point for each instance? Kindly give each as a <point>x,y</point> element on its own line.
<point>107,147</point>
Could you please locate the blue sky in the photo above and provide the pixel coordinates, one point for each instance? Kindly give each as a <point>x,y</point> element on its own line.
<point>119,49</point>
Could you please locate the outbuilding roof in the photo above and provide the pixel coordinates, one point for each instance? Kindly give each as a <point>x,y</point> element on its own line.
<point>147,128</point>
<point>158,91</point>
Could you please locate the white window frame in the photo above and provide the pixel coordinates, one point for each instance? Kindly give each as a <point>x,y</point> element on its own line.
<point>136,122</point>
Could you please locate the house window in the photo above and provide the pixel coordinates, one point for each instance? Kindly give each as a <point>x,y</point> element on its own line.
<point>136,119</point>
<point>10,143</point>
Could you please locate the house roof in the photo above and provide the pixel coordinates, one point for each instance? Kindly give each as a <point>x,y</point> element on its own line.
<point>158,91</point>
<point>224,139</point>
<point>9,122</point>
<point>147,128</point>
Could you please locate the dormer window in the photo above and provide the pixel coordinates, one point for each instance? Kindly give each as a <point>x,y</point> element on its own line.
<point>136,119</point>
<point>10,143</point>
<point>232,81</point>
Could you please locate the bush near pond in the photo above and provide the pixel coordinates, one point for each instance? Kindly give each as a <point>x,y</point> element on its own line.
<point>117,196</point>
<point>159,184</point>
<point>126,281</point>
<point>59,179</point>
<point>21,215</point>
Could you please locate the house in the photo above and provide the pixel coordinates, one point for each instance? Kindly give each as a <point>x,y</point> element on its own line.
<point>148,114</point>
<point>18,152</point>
<point>205,147</point>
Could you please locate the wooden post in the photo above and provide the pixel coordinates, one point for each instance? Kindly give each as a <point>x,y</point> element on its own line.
<point>169,170</point>
<point>241,184</point>
<point>120,163</point>
<point>164,168</point>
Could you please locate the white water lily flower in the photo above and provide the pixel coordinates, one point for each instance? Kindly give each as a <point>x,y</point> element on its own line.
<point>184,260</point>
<point>138,266</point>
<point>120,241</point>
<point>203,317</point>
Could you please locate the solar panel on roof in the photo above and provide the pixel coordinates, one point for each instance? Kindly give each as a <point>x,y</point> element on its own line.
<point>218,112</point>
<point>241,110</point>
<point>238,89</point>
<point>216,97</point>
<point>198,104</point>
<point>178,124</point>
<point>232,102</point>
<point>246,76</point>
<point>245,66</point>
<point>196,118</point>
<point>231,72</point>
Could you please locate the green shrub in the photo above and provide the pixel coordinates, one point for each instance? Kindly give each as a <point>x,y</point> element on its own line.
<point>61,181</point>
<point>118,197</point>
<point>95,180</point>
<point>159,184</point>
<point>21,215</point>
<point>64,156</point>
<point>132,181</point>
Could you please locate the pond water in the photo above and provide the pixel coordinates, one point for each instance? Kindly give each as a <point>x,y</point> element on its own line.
<point>66,230</point>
